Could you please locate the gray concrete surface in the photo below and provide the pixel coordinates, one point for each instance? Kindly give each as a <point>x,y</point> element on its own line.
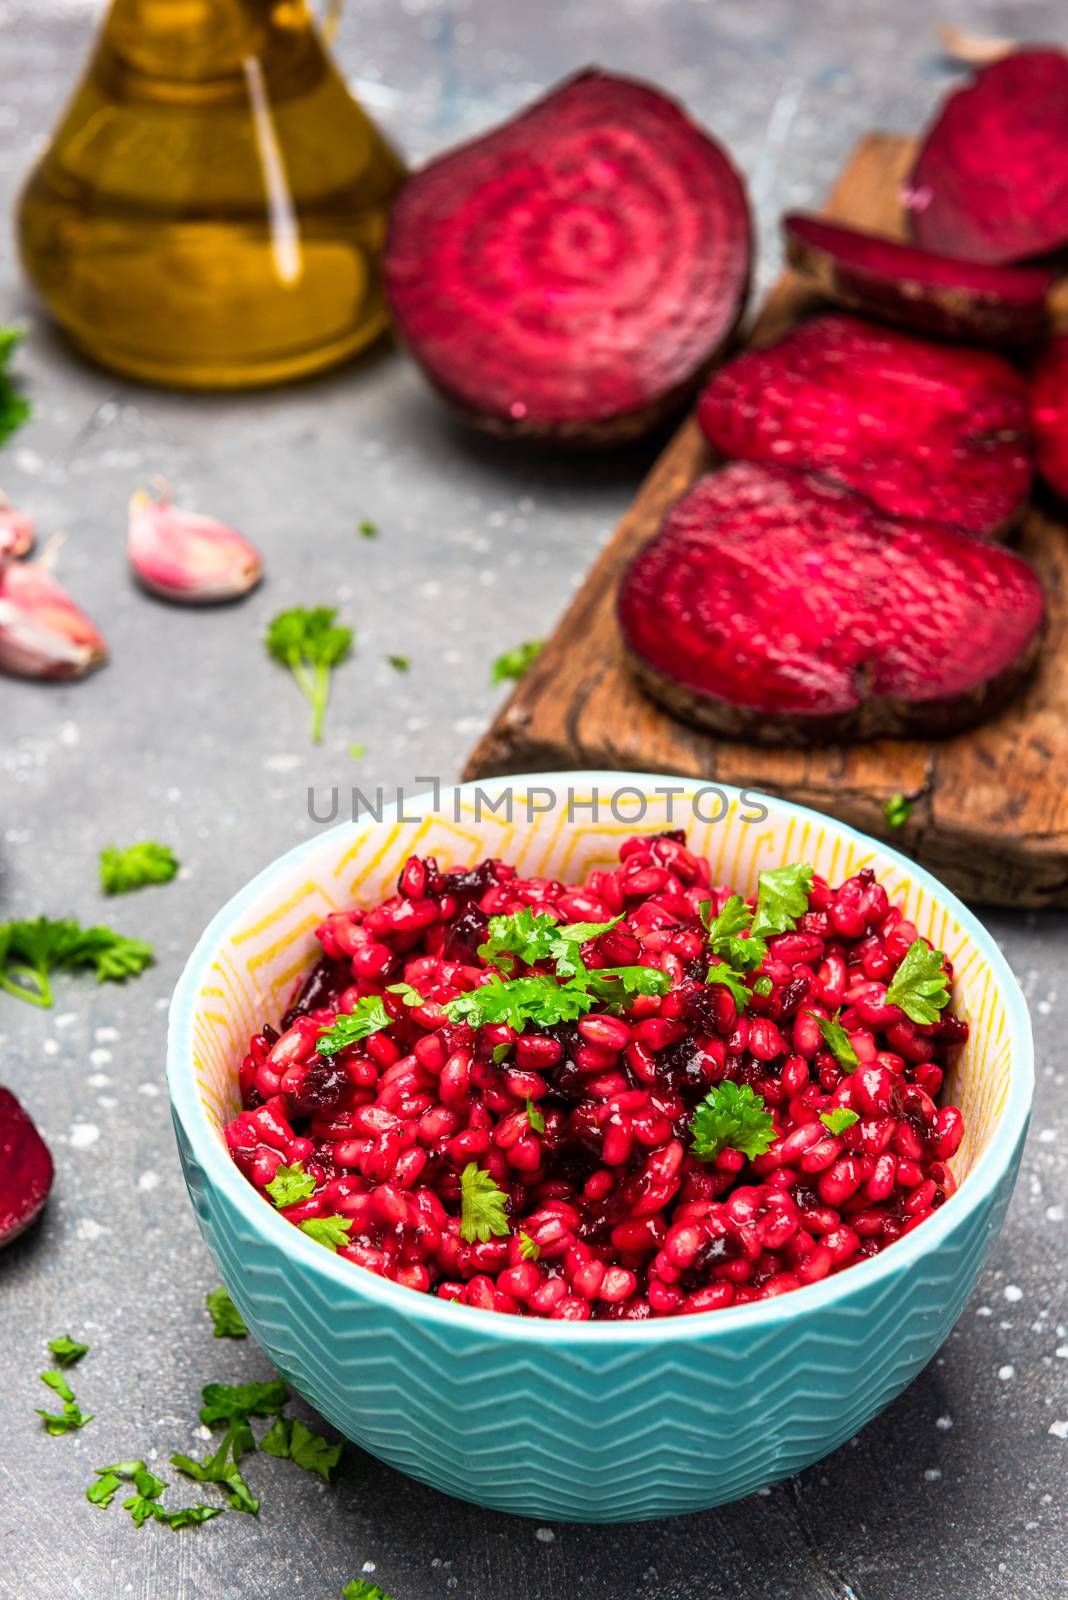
<point>192,737</point>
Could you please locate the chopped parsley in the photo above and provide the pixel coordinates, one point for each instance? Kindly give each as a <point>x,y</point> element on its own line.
<point>72,1416</point>
<point>838,1119</point>
<point>897,811</point>
<point>14,407</point>
<point>227,1319</point>
<point>400,663</point>
<point>332,1232</point>
<point>367,530</point>
<point>291,1185</point>
<point>535,1118</point>
<point>310,643</point>
<point>31,951</point>
<point>482,1206</point>
<point>512,664</point>
<point>837,1041</point>
<point>359,1590</point>
<point>731,1117</point>
<point>368,1016</point>
<point>919,986</point>
<point>782,897</point>
<point>67,1350</point>
<point>737,935</point>
<point>136,866</point>
<point>529,1248</point>
<point>292,1441</point>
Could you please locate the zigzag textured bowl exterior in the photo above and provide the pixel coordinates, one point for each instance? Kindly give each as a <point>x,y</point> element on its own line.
<point>591,1422</point>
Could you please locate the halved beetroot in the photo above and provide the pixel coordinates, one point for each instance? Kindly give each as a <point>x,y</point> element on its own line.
<point>923,430</point>
<point>776,606</point>
<point>25,1169</point>
<point>991,180</point>
<point>918,290</point>
<point>1049,414</point>
<point>571,274</point>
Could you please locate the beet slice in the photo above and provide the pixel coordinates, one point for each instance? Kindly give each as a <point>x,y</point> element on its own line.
<point>923,430</point>
<point>990,182</point>
<point>916,289</point>
<point>572,274</point>
<point>25,1169</point>
<point>1049,414</point>
<point>779,607</point>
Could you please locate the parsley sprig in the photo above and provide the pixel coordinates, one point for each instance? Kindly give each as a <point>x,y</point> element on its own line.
<point>72,1415</point>
<point>919,986</point>
<point>738,934</point>
<point>309,641</point>
<point>135,866</point>
<point>731,1117</point>
<point>368,1016</point>
<point>837,1041</point>
<point>838,1119</point>
<point>512,664</point>
<point>31,951</point>
<point>67,1350</point>
<point>482,1206</point>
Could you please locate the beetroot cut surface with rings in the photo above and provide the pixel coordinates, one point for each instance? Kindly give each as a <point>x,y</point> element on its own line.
<point>26,1170</point>
<point>1049,414</point>
<point>776,606</point>
<point>916,289</point>
<point>923,430</point>
<point>572,274</point>
<point>990,183</point>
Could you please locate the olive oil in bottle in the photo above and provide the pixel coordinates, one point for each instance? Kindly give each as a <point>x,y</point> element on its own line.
<point>211,211</point>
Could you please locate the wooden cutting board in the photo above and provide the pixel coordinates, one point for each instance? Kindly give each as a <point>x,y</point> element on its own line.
<point>990,812</point>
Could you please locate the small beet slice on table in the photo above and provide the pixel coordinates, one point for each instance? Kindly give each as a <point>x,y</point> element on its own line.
<point>776,606</point>
<point>990,182</point>
<point>25,1169</point>
<point>572,274</point>
<point>1049,414</point>
<point>923,430</point>
<point>917,289</point>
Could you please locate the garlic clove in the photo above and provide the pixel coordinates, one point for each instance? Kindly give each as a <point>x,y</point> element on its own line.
<point>16,530</point>
<point>182,555</point>
<point>43,634</point>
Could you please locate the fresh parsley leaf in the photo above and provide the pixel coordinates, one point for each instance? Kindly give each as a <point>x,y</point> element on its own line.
<point>292,1441</point>
<point>839,1119</point>
<point>367,530</point>
<point>482,1206</point>
<point>537,998</point>
<point>357,751</point>
<point>512,664</point>
<point>229,1323</point>
<point>535,1118</point>
<point>837,1041</point>
<point>104,1490</point>
<point>187,1516</point>
<point>14,407</point>
<point>731,1117</point>
<point>400,663</point>
<point>728,939</point>
<point>762,984</point>
<point>141,1508</point>
<point>332,1232</point>
<point>410,996</point>
<point>359,1590</point>
<point>720,972</point>
<point>225,1402</point>
<point>136,866</point>
<point>529,1248</point>
<point>147,1484</point>
<point>31,951</point>
<point>369,1015</point>
<point>310,643</point>
<point>782,897</point>
<point>290,1185</point>
<point>72,1416</point>
<point>67,1350</point>
<point>606,983</point>
<point>501,1052</point>
<point>919,986</point>
<point>897,811</point>
<point>533,936</point>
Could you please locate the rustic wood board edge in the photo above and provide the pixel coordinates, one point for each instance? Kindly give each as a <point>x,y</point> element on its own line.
<point>990,807</point>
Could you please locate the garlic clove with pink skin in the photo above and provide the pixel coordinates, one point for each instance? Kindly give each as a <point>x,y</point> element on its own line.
<point>43,634</point>
<point>16,530</point>
<point>182,555</point>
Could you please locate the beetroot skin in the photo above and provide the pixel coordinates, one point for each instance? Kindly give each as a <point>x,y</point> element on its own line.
<point>572,274</point>
<point>776,606</point>
<point>916,289</point>
<point>25,1169</point>
<point>922,430</point>
<point>990,183</point>
<point>1049,414</point>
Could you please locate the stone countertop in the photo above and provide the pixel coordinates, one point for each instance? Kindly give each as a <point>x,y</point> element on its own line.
<point>191,736</point>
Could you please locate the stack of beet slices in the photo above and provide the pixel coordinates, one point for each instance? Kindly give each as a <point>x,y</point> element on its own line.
<point>838,580</point>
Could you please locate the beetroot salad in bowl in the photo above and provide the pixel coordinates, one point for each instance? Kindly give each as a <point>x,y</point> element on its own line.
<point>735,1085</point>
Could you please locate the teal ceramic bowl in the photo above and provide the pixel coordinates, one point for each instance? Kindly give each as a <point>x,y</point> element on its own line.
<point>595,1422</point>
